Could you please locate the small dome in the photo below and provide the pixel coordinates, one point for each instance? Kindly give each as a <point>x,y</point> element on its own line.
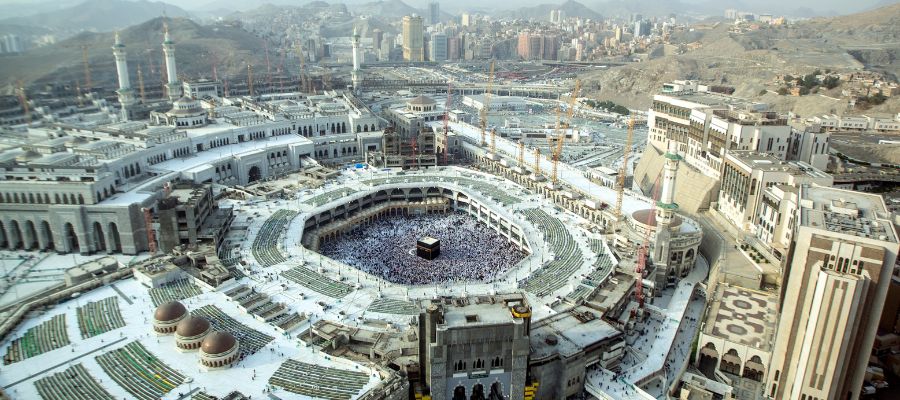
<point>218,343</point>
<point>422,101</point>
<point>170,311</point>
<point>192,326</point>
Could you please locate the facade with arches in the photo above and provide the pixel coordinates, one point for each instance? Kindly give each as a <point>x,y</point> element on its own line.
<point>476,348</point>
<point>737,336</point>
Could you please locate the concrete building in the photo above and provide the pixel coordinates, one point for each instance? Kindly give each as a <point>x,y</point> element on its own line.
<point>413,38</point>
<point>189,215</point>
<point>736,338</point>
<point>565,345</point>
<point>475,346</point>
<point>438,49</point>
<point>836,284</point>
<point>747,174</point>
<point>434,13</point>
<point>202,88</point>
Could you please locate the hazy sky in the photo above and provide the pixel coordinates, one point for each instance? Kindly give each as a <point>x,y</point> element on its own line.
<point>455,6</point>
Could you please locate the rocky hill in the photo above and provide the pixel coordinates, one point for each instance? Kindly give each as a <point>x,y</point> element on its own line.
<point>751,61</point>
<point>542,12</point>
<point>96,15</point>
<point>196,47</point>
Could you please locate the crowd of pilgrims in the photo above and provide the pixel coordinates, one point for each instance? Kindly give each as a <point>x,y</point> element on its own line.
<point>470,250</point>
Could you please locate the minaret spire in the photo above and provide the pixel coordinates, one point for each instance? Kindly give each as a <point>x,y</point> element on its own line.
<point>126,95</point>
<point>173,87</point>
<point>355,74</point>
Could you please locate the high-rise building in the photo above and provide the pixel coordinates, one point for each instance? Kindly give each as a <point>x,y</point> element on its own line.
<point>556,16</point>
<point>438,49</point>
<point>434,13</point>
<point>454,48</point>
<point>641,28</point>
<point>835,288</point>
<point>377,37</point>
<point>467,19</point>
<point>11,44</point>
<point>413,38</point>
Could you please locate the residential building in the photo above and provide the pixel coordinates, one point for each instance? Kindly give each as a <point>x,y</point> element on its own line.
<point>837,281</point>
<point>747,174</point>
<point>413,38</point>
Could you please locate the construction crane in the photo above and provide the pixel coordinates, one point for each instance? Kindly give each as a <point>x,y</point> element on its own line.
<point>556,150</point>
<point>78,92</point>
<point>521,159</point>
<point>250,79</point>
<point>151,235</point>
<point>24,100</point>
<point>493,141</point>
<point>537,162</point>
<point>447,120</point>
<point>561,136</point>
<point>140,76</point>
<point>486,105</point>
<point>570,112</point>
<point>304,82</point>
<point>268,64</point>
<point>623,170</point>
<point>87,68</point>
<point>643,250</point>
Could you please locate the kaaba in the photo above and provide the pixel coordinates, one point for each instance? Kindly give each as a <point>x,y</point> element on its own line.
<point>428,248</point>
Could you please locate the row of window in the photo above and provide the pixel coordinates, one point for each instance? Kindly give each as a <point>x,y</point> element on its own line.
<point>462,365</point>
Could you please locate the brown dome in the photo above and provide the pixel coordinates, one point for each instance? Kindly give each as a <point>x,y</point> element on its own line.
<point>218,343</point>
<point>170,311</point>
<point>192,326</point>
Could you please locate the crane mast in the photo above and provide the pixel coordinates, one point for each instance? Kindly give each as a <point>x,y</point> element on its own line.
<point>447,120</point>
<point>561,136</point>
<point>140,76</point>
<point>537,162</point>
<point>623,170</point>
<point>24,100</point>
<point>521,158</point>
<point>87,68</point>
<point>486,105</point>
<point>556,150</point>
<point>643,251</point>
<point>250,79</point>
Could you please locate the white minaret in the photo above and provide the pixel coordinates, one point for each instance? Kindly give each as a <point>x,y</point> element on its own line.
<point>665,207</point>
<point>173,88</point>
<point>126,95</point>
<point>355,74</point>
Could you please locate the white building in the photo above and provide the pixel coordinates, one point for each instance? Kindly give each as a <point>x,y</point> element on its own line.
<point>747,174</point>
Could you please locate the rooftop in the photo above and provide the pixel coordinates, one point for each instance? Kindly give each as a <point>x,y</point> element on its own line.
<point>846,212</point>
<point>743,316</point>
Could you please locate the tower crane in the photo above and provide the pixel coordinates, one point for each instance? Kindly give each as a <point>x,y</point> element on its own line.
<point>537,162</point>
<point>250,79</point>
<point>521,158</point>
<point>556,150</point>
<point>304,82</point>
<point>140,76</point>
<point>447,120</point>
<point>78,92</point>
<point>87,68</point>
<point>644,250</point>
<point>561,136</point>
<point>23,98</point>
<point>623,170</point>
<point>486,105</point>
